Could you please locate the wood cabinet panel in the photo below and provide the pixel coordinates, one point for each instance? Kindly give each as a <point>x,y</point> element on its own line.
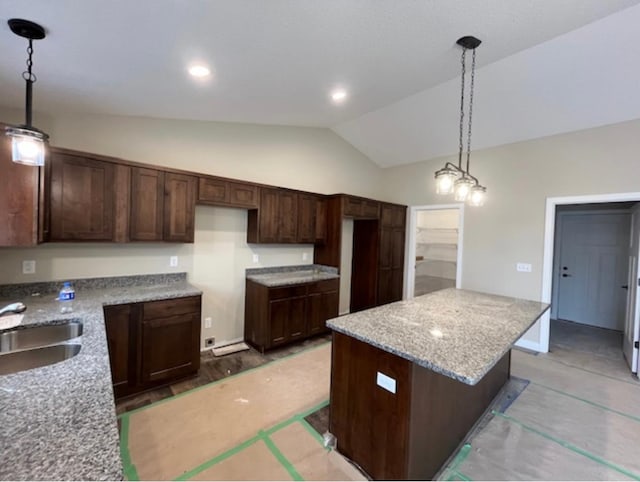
<point>172,307</point>
<point>167,346</point>
<point>307,206</point>
<point>321,221</point>
<point>147,205</point>
<point>179,208</point>
<point>268,222</point>
<point>19,198</point>
<point>82,198</point>
<point>120,342</point>
<point>222,192</point>
<point>370,209</point>
<point>391,258</point>
<point>297,328</point>
<point>288,216</point>
<point>321,307</point>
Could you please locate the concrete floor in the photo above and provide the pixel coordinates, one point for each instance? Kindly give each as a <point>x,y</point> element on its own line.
<point>574,414</point>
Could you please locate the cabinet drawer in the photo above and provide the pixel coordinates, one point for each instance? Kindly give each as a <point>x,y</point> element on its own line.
<point>324,286</point>
<point>287,292</point>
<point>166,308</point>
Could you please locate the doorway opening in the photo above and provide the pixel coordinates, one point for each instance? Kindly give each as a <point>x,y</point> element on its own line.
<point>590,278</point>
<point>434,258</point>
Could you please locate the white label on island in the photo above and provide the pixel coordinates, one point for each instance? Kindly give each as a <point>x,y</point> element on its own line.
<point>386,382</point>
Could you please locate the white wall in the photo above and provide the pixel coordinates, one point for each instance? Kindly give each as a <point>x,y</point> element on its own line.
<point>346,257</point>
<point>304,158</point>
<point>519,177</point>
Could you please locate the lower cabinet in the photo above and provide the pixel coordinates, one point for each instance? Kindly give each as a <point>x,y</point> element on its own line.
<point>153,343</point>
<point>284,314</point>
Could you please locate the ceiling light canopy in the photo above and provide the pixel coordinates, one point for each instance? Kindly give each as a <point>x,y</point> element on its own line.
<point>199,71</point>
<point>452,178</point>
<point>28,144</point>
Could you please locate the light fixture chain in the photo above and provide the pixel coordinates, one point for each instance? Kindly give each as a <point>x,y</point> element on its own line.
<point>461,143</point>
<point>27,74</point>
<point>473,76</point>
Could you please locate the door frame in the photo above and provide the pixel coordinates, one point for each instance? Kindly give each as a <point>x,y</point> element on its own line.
<point>548,251</point>
<point>410,248</point>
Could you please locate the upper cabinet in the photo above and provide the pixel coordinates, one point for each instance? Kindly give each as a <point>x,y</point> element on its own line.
<point>147,205</point>
<point>19,199</point>
<point>223,192</point>
<point>95,199</point>
<point>179,207</point>
<point>82,203</point>
<point>287,216</point>
<point>360,208</point>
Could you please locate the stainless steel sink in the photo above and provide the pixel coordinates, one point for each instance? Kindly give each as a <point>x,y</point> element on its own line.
<point>37,357</point>
<point>38,336</point>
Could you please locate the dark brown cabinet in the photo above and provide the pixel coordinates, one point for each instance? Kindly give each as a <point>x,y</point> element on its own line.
<point>321,220</point>
<point>147,204</point>
<point>19,199</point>
<point>360,208</point>
<point>391,254</point>
<point>279,315</point>
<point>307,212</point>
<point>222,192</point>
<point>162,206</point>
<point>179,207</point>
<point>153,343</point>
<point>82,203</point>
<point>276,220</point>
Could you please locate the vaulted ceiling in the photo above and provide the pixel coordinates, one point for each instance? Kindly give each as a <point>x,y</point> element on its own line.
<point>545,66</point>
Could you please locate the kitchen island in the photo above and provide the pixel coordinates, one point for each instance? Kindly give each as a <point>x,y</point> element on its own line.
<point>410,379</point>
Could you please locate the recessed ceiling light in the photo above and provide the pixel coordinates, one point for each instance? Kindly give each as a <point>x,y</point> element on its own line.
<point>339,95</point>
<point>199,71</point>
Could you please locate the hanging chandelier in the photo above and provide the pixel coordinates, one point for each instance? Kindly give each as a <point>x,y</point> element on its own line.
<point>28,144</point>
<point>455,179</point>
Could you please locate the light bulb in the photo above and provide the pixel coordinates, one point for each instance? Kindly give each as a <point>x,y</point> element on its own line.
<point>462,188</point>
<point>445,179</point>
<point>27,150</point>
<point>477,196</point>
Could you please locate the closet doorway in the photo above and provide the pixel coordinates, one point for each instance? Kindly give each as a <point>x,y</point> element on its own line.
<point>434,259</point>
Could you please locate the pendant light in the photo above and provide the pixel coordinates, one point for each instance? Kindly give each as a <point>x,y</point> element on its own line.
<point>451,178</point>
<point>28,144</point>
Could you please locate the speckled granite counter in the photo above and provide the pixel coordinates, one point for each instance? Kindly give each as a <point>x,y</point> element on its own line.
<point>58,422</point>
<point>458,333</point>
<point>291,275</point>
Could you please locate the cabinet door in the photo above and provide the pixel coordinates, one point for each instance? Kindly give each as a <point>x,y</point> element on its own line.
<point>288,215</point>
<point>268,216</point>
<point>370,209</point>
<point>212,191</point>
<point>307,218</point>
<point>320,308</point>
<point>147,204</point>
<point>243,195</point>
<point>179,207</point>
<point>120,337</point>
<point>18,199</point>
<point>321,221</point>
<point>170,348</point>
<point>352,206</point>
<point>287,320</point>
<point>82,198</point>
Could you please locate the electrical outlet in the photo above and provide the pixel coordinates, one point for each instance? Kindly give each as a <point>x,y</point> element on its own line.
<point>209,341</point>
<point>305,256</point>
<point>207,322</point>
<point>256,258</point>
<point>173,261</point>
<point>523,267</point>
<point>28,266</point>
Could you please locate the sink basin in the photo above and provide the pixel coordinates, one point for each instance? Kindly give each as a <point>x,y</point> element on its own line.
<point>37,357</point>
<point>38,336</point>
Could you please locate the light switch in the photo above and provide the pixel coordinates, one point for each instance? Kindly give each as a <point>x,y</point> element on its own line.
<point>256,258</point>
<point>173,261</point>
<point>305,256</point>
<point>29,266</point>
<point>523,267</point>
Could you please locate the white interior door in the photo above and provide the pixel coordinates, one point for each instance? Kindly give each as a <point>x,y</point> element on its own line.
<point>632,321</point>
<point>593,268</point>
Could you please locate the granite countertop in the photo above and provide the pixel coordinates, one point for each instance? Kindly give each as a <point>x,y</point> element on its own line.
<point>58,422</point>
<point>291,275</point>
<point>459,333</point>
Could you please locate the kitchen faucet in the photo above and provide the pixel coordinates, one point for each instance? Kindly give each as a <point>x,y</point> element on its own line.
<point>13,308</point>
